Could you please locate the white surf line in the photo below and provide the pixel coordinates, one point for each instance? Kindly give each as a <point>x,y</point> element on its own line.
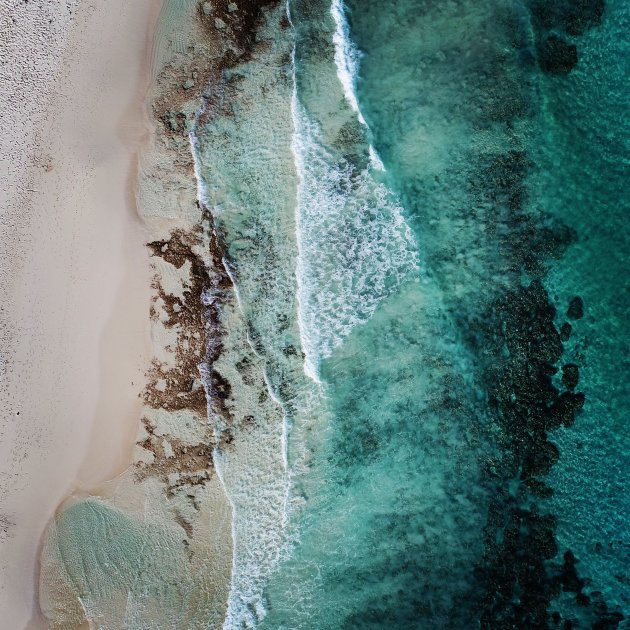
<point>347,60</point>
<point>311,369</point>
<point>346,57</point>
<point>311,358</point>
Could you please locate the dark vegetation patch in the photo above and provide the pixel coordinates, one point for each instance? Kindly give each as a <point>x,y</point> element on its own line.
<point>180,387</point>
<point>192,463</point>
<point>196,318</point>
<point>192,381</point>
<point>231,35</point>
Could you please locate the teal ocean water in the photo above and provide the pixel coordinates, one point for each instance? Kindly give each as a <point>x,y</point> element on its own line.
<point>452,265</point>
<point>456,447</point>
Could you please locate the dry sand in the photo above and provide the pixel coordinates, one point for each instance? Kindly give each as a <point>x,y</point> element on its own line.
<point>74,274</point>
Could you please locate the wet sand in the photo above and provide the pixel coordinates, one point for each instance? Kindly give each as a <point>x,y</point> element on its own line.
<point>75,279</point>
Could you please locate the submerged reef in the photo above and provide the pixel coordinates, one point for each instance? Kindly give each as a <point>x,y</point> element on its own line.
<point>554,22</point>
<point>520,533</point>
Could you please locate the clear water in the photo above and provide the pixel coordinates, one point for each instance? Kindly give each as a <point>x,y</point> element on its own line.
<point>583,176</point>
<point>126,574</point>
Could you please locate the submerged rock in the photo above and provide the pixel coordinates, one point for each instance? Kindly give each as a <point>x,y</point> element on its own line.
<point>563,411</point>
<point>565,331</point>
<point>583,15</point>
<point>570,375</point>
<point>568,575</point>
<point>576,308</point>
<point>573,16</point>
<point>556,56</point>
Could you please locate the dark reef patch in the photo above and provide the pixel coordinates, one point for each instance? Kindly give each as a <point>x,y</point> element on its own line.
<point>520,348</point>
<point>519,535</point>
<point>573,16</point>
<point>554,22</point>
<point>520,577</point>
<point>239,25</point>
<point>570,375</point>
<point>521,581</point>
<point>576,308</point>
<point>556,56</point>
<point>517,238</point>
<point>565,331</point>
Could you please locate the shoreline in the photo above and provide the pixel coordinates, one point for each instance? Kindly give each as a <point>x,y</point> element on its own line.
<point>77,343</point>
<point>169,495</point>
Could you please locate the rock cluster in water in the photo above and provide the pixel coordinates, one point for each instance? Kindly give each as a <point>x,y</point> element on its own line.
<point>556,24</point>
<point>522,578</point>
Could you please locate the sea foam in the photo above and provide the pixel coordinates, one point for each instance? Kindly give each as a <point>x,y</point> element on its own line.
<point>347,60</point>
<point>355,247</point>
<point>347,57</point>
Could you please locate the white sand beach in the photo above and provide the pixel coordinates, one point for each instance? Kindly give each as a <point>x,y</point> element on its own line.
<point>74,272</point>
